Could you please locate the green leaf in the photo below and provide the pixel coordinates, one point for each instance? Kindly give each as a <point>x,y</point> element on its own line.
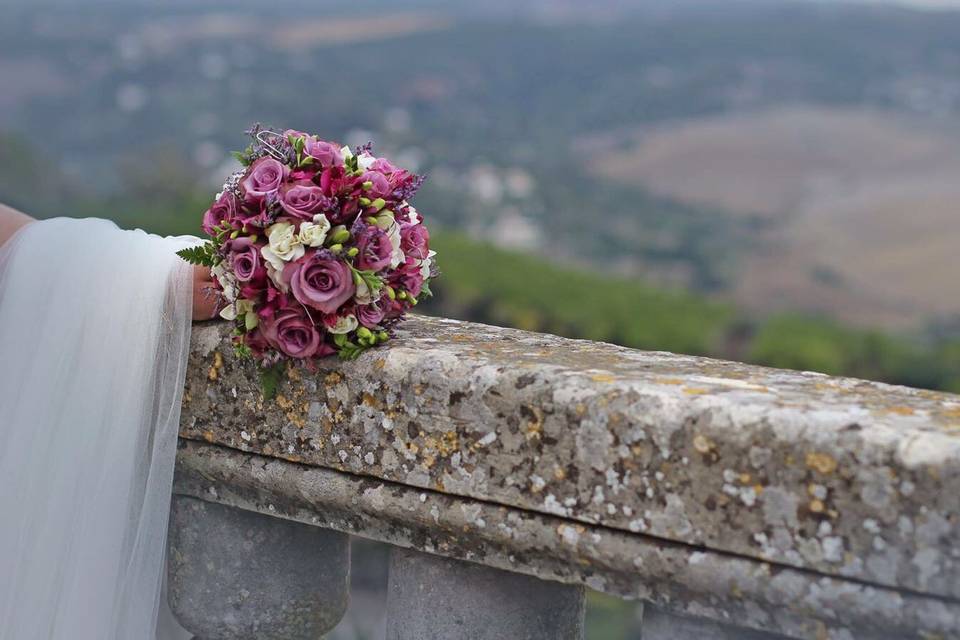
<point>373,281</point>
<point>425,291</point>
<point>204,254</point>
<point>270,378</point>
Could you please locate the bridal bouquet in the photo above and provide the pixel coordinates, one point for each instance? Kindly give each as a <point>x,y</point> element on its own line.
<point>315,247</point>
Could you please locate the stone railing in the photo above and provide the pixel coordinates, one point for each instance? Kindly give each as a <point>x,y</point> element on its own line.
<point>510,470</point>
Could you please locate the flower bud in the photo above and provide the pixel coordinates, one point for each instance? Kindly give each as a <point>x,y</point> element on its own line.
<point>378,203</point>
<point>336,248</point>
<point>391,293</point>
<point>367,185</point>
<point>352,251</point>
<point>338,235</point>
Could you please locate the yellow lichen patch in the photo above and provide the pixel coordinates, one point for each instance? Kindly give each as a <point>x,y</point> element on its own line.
<point>418,389</point>
<point>208,436</point>
<point>952,412</point>
<point>821,462</point>
<point>332,378</point>
<point>283,402</point>
<point>379,364</point>
<point>758,489</point>
<point>214,371</point>
<point>900,411</point>
<point>673,381</point>
<point>702,443</point>
<point>559,473</point>
<point>370,401</point>
<point>293,373</point>
<point>745,478</point>
<point>534,426</point>
<point>695,391</point>
<point>816,505</point>
<point>602,377</point>
<point>581,409</point>
<point>449,443</point>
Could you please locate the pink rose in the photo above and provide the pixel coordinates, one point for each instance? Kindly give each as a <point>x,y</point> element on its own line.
<point>225,209</point>
<point>244,258</point>
<point>326,153</point>
<point>374,248</point>
<point>415,240</point>
<point>264,177</point>
<point>320,281</point>
<point>371,315</point>
<point>380,186</point>
<point>303,201</point>
<point>292,332</point>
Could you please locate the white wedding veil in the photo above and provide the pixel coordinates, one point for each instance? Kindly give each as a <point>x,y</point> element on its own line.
<point>94,333</point>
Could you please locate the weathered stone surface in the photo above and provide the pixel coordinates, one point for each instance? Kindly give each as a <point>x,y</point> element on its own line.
<point>433,597</point>
<point>841,476</point>
<point>237,575</point>
<point>697,582</point>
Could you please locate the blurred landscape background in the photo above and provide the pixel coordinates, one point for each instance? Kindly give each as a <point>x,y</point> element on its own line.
<point>768,181</point>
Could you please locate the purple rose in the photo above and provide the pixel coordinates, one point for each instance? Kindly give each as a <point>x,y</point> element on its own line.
<point>292,332</point>
<point>320,281</point>
<point>380,186</point>
<point>326,153</point>
<point>415,240</point>
<point>370,315</point>
<point>304,201</point>
<point>264,177</point>
<point>244,258</point>
<point>224,209</point>
<point>383,166</point>
<point>374,249</point>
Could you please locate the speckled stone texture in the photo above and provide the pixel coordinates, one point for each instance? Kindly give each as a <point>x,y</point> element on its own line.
<point>843,477</point>
<point>731,589</point>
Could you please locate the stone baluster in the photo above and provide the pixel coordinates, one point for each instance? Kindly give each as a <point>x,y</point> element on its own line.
<point>433,597</point>
<point>238,575</point>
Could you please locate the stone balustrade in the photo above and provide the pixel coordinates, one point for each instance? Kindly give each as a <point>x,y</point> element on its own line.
<point>510,470</point>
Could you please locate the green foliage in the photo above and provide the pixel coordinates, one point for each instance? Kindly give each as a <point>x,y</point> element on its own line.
<point>348,350</point>
<point>203,254</point>
<point>270,378</point>
<point>482,282</point>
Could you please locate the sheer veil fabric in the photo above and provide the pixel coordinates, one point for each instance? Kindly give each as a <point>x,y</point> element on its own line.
<point>94,334</point>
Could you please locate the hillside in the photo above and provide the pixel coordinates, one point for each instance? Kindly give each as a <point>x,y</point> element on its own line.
<point>860,206</point>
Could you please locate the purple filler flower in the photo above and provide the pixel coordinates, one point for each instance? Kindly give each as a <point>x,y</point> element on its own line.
<point>264,177</point>
<point>320,281</point>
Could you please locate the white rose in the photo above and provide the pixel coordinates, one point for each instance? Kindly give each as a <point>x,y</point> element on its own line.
<point>365,161</point>
<point>425,265</point>
<point>396,256</point>
<point>314,233</point>
<point>284,245</point>
<point>346,324</point>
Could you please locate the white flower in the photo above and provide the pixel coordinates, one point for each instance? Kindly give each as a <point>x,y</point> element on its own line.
<point>346,152</point>
<point>314,233</point>
<point>425,265</point>
<point>365,161</point>
<point>396,256</point>
<point>346,324</point>
<point>239,308</point>
<point>284,245</point>
<point>363,294</point>
<point>226,279</point>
